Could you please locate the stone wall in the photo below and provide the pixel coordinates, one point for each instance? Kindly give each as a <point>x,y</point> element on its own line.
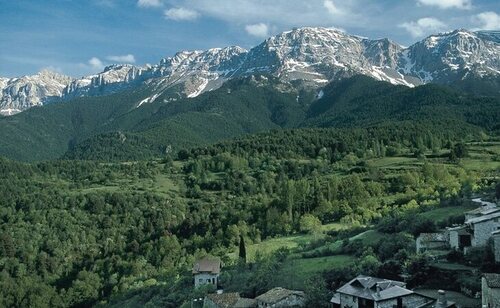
<point>205,278</point>
<point>290,301</point>
<point>490,297</point>
<point>482,232</point>
<point>208,303</point>
<point>454,240</point>
<point>496,247</point>
<point>347,301</point>
<point>412,300</point>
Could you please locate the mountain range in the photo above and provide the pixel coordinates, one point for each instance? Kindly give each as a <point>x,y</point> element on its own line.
<point>311,56</point>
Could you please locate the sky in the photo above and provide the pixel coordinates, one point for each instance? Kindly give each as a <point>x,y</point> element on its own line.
<point>81,37</point>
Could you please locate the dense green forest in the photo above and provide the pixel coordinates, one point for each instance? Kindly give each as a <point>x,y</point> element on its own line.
<point>318,187</point>
<point>112,128</point>
<point>79,233</point>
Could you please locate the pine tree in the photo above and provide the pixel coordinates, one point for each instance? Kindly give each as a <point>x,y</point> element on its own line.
<point>243,250</point>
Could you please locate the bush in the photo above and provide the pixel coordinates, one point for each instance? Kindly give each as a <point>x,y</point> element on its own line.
<point>310,224</point>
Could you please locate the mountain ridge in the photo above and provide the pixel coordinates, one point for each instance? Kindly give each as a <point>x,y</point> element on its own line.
<point>314,55</point>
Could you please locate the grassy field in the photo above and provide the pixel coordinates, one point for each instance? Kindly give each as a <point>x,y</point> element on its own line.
<point>269,246</point>
<point>296,271</point>
<point>482,156</point>
<point>368,237</point>
<point>443,213</point>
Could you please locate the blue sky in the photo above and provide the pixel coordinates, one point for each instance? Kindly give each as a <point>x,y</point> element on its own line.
<point>79,37</point>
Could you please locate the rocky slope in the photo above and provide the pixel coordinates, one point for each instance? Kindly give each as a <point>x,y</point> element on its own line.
<point>312,55</point>
<point>18,94</point>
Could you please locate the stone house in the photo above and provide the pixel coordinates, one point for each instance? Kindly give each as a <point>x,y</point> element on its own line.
<point>460,237</point>
<point>371,292</point>
<point>221,300</point>
<point>490,287</point>
<point>481,211</point>
<point>228,300</point>
<point>432,241</point>
<point>281,297</point>
<point>482,227</point>
<point>495,236</point>
<point>207,271</point>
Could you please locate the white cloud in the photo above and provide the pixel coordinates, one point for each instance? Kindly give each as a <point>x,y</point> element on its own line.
<point>181,14</point>
<point>285,14</point>
<point>487,21</point>
<point>332,8</point>
<point>149,3</point>
<point>448,4</point>
<point>51,68</point>
<point>259,30</point>
<point>95,63</point>
<point>122,59</point>
<point>424,26</point>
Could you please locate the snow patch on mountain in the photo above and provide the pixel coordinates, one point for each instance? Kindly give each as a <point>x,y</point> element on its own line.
<point>315,55</point>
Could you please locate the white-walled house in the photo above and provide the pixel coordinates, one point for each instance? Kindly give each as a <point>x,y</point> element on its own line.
<point>207,271</point>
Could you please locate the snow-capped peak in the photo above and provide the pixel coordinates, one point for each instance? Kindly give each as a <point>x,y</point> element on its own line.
<point>314,55</point>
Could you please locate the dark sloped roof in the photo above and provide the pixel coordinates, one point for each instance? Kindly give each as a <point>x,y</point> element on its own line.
<point>434,303</point>
<point>277,294</point>
<point>366,287</point>
<point>433,237</point>
<point>224,300</point>
<point>492,280</point>
<point>484,210</point>
<point>392,292</point>
<point>246,303</point>
<point>207,265</point>
<point>483,218</point>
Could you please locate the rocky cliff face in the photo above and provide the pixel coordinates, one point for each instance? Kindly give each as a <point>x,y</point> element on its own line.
<point>314,55</point>
<point>18,94</point>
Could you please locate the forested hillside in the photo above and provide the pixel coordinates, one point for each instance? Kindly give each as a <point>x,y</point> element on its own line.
<point>79,233</point>
<point>142,192</point>
<point>112,128</point>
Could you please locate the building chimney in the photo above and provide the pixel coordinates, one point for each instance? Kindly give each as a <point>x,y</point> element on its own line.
<point>441,302</point>
<point>378,290</point>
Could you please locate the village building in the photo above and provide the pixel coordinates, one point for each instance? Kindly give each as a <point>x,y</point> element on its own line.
<point>495,239</point>
<point>482,227</point>
<point>281,297</point>
<point>432,241</point>
<point>246,303</point>
<point>222,300</point>
<point>459,237</point>
<point>481,211</point>
<point>371,292</point>
<point>228,300</point>
<point>207,271</point>
<point>490,287</point>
